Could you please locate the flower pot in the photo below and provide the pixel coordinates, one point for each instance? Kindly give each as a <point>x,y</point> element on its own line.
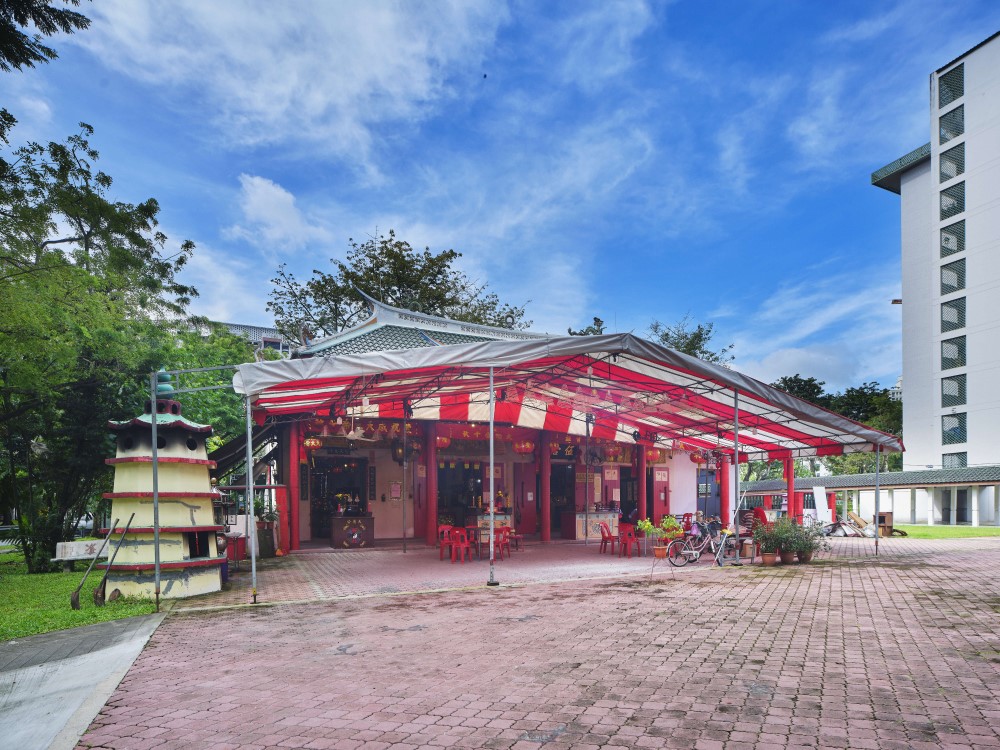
<point>787,558</point>
<point>805,557</point>
<point>768,559</point>
<point>660,550</point>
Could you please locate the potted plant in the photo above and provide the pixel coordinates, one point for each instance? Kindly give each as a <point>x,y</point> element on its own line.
<point>810,540</point>
<point>787,532</point>
<point>265,514</point>
<point>767,541</point>
<point>662,534</point>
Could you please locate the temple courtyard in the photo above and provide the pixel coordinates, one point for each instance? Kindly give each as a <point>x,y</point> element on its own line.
<point>386,649</point>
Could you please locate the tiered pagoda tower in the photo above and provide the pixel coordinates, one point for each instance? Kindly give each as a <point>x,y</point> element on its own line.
<point>190,559</point>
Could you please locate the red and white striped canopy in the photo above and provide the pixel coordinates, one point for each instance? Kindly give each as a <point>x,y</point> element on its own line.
<point>635,390</point>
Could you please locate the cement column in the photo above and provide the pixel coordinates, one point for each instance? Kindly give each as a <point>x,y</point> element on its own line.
<point>789,465</point>
<point>973,494</point>
<point>931,492</point>
<point>953,494</point>
<point>545,455</point>
<point>431,466</point>
<point>725,493</point>
<point>641,483</point>
<point>996,505</point>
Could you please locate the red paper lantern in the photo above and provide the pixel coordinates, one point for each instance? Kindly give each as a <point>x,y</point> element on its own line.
<point>442,441</point>
<point>654,455</point>
<point>523,447</point>
<point>698,457</point>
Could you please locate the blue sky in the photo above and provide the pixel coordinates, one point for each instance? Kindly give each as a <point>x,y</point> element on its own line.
<point>632,160</point>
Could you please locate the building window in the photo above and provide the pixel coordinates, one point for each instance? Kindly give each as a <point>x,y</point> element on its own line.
<point>955,460</point>
<point>952,124</point>
<point>953,239</point>
<point>953,429</point>
<point>953,353</point>
<point>952,200</point>
<point>953,390</point>
<point>953,276</point>
<point>951,86</point>
<point>808,501</point>
<point>952,162</point>
<point>953,315</point>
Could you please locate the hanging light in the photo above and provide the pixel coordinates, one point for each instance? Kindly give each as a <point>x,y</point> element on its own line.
<point>698,457</point>
<point>442,441</point>
<point>312,443</point>
<point>654,455</point>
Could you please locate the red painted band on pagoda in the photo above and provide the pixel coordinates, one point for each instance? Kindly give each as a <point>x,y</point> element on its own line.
<point>165,460</point>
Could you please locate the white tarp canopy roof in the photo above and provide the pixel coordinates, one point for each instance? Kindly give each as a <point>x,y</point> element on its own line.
<point>635,390</point>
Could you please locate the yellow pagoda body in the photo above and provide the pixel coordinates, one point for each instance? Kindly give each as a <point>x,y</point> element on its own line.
<point>190,558</point>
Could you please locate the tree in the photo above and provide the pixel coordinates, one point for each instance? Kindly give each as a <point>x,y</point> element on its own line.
<point>808,389</point>
<point>595,329</point>
<point>391,271</point>
<point>694,341</point>
<point>19,51</point>
<point>87,292</point>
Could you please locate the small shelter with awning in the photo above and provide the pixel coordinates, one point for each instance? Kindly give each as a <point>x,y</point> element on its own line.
<point>608,419</point>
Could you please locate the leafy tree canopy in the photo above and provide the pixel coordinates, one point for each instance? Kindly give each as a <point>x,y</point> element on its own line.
<point>390,270</point>
<point>18,49</point>
<point>691,339</point>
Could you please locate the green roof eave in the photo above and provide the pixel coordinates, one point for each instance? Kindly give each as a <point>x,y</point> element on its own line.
<point>890,176</point>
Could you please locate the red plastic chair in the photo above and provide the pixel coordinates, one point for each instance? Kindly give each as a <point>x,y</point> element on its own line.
<point>626,538</point>
<point>607,538</point>
<point>444,540</point>
<point>460,545</point>
<point>501,541</point>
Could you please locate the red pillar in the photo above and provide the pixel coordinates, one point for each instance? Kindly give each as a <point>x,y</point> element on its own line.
<point>431,457</point>
<point>281,497</point>
<point>546,498</point>
<point>793,510</point>
<point>831,503</point>
<point>725,492</point>
<point>294,486</point>
<point>640,487</point>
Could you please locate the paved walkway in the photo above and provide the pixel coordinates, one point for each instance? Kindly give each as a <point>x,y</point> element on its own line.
<point>579,650</point>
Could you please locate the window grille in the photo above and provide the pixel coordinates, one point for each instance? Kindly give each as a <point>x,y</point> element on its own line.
<point>953,390</point>
<point>952,124</point>
<point>955,460</point>
<point>951,86</point>
<point>953,429</point>
<point>953,239</point>
<point>953,315</point>
<point>952,200</point>
<point>953,353</point>
<point>953,276</point>
<point>952,162</point>
<point>808,501</point>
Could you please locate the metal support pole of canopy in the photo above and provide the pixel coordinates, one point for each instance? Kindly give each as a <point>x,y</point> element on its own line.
<point>156,490</point>
<point>878,450</point>
<point>251,532</point>
<point>492,581</point>
<point>736,465</point>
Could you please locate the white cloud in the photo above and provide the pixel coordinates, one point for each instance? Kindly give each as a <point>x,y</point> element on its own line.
<point>275,72</point>
<point>229,288</point>
<point>272,219</point>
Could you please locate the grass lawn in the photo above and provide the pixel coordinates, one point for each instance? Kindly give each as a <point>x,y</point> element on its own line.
<point>923,531</point>
<point>32,604</point>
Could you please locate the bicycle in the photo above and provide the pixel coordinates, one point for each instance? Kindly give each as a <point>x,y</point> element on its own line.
<point>690,548</point>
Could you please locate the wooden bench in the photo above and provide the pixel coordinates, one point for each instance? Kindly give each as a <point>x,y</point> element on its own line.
<point>69,552</point>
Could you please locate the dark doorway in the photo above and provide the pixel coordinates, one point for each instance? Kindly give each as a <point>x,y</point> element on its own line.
<point>630,491</point>
<point>563,492</point>
<point>460,490</point>
<point>709,501</point>
<point>338,486</point>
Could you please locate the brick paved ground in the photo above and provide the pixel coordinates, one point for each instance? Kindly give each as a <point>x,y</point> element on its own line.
<point>849,651</point>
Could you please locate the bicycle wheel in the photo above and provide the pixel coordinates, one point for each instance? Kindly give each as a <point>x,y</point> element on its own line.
<point>675,553</point>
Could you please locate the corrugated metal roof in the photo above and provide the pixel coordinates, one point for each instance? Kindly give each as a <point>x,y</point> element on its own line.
<point>391,338</point>
<point>887,479</point>
<point>890,176</point>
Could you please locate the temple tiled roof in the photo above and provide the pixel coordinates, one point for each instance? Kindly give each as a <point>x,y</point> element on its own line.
<point>392,328</point>
<point>927,478</point>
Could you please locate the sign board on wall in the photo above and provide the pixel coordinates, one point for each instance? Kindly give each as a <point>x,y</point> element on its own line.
<point>660,475</point>
<point>611,475</point>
